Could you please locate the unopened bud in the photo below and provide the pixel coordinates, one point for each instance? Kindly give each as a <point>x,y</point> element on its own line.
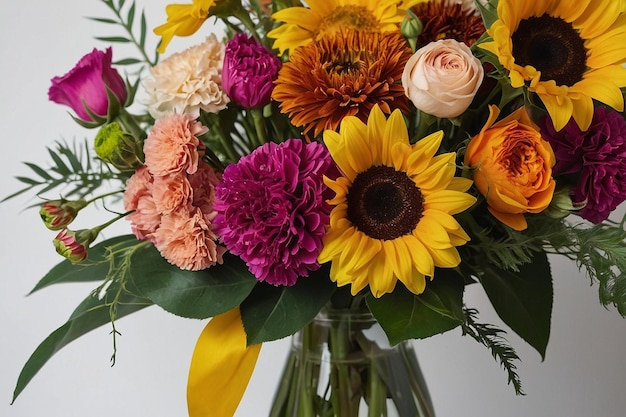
<point>119,148</point>
<point>562,204</point>
<point>57,214</point>
<point>73,245</point>
<point>411,27</point>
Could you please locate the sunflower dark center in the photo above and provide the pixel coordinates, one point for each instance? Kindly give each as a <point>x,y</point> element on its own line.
<point>384,203</point>
<point>552,46</point>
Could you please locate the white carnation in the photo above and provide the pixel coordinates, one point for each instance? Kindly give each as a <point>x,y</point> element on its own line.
<point>188,81</point>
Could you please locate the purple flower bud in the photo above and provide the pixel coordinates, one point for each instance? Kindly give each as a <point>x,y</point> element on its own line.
<point>84,88</point>
<point>249,71</point>
<point>57,214</point>
<point>73,245</point>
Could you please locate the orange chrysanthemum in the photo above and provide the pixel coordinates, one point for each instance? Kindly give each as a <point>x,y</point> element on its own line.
<point>445,19</point>
<point>342,75</point>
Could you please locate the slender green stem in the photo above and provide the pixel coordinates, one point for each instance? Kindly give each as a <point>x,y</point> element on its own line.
<point>342,394</point>
<point>305,403</point>
<point>259,125</point>
<point>130,125</point>
<point>103,196</point>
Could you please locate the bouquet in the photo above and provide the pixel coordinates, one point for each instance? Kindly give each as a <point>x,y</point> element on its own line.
<point>377,155</point>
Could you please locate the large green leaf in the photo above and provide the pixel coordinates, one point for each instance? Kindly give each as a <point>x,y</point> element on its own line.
<point>271,313</point>
<point>404,315</point>
<point>523,299</point>
<point>94,268</point>
<point>192,294</point>
<point>93,312</point>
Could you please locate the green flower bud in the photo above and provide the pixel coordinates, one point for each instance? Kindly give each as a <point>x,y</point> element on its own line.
<point>73,245</point>
<point>411,27</point>
<point>57,214</point>
<point>562,204</point>
<point>118,148</point>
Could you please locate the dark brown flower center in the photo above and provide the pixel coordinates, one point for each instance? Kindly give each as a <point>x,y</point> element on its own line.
<point>552,46</point>
<point>384,203</point>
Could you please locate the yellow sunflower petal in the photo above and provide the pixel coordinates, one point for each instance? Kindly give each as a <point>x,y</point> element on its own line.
<point>420,257</point>
<point>423,151</point>
<point>445,258</point>
<point>449,201</point>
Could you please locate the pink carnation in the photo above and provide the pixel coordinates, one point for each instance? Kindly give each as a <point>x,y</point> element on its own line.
<point>272,209</point>
<point>171,192</point>
<point>144,218</point>
<point>175,213</point>
<point>203,183</point>
<point>173,145</point>
<point>186,240</point>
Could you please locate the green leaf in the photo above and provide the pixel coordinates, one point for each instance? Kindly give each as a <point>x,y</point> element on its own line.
<point>94,268</point>
<point>271,313</point>
<point>523,299</point>
<point>404,315</point>
<point>38,170</point>
<point>117,39</point>
<point>193,294</point>
<point>103,20</point>
<point>61,167</point>
<point>93,312</point>
<point>128,61</point>
<point>131,16</point>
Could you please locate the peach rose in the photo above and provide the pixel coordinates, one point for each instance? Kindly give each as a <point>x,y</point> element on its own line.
<point>442,78</point>
<point>512,167</point>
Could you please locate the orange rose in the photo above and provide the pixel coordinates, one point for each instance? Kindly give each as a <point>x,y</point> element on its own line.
<point>512,167</point>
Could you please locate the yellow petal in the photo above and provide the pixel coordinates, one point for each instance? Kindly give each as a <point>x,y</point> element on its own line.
<point>221,367</point>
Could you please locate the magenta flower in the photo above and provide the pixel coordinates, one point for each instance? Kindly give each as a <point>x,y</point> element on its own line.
<point>272,210</point>
<point>84,88</point>
<point>249,71</point>
<point>593,160</point>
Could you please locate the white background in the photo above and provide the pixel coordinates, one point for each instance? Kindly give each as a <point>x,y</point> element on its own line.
<point>584,373</point>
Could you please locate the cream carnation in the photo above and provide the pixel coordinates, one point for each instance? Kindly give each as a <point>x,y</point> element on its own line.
<point>442,78</point>
<point>188,81</point>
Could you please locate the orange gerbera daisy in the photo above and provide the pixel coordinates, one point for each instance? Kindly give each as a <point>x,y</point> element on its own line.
<point>341,75</point>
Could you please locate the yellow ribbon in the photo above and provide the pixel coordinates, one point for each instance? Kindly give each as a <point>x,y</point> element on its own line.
<point>221,367</point>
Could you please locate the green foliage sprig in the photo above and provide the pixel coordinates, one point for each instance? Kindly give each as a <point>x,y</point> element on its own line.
<point>491,337</point>
<point>126,19</point>
<point>71,166</point>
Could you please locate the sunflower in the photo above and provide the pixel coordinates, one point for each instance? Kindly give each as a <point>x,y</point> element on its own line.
<point>301,25</point>
<point>344,74</point>
<point>392,215</point>
<point>568,52</point>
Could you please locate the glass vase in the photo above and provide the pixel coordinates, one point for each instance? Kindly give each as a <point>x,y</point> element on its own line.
<point>342,365</point>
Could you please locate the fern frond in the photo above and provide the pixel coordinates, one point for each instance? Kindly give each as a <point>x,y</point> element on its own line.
<point>491,337</point>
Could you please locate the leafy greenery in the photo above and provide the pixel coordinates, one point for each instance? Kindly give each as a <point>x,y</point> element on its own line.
<point>74,170</point>
<point>111,300</point>
<point>191,294</point>
<point>601,250</point>
<point>271,313</point>
<point>522,299</point>
<point>126,19</point>
<point>404,315</point>
<point>490,337</point>
<point>101,259</point>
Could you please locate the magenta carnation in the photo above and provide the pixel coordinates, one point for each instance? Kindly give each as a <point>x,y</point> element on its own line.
<point>85,86</point>
<point>272,210</point>
<point>594,160</point>
<point>249,71</point>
